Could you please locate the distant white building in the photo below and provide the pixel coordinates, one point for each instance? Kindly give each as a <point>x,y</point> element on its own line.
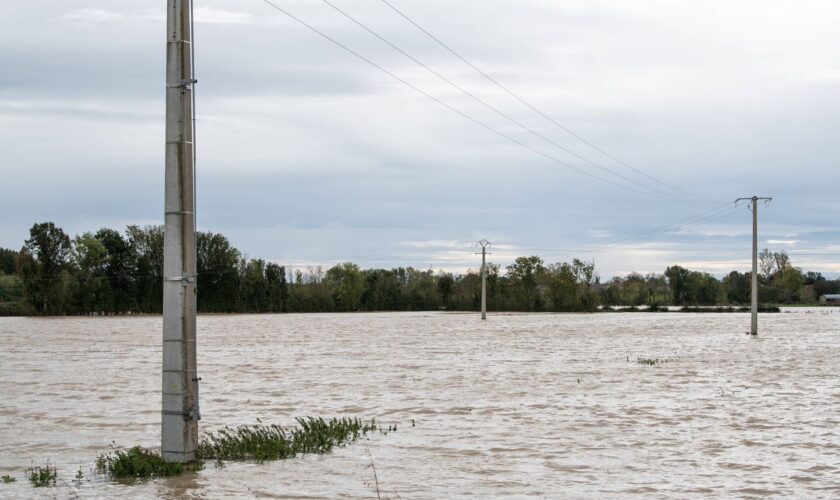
<point>830,298</point>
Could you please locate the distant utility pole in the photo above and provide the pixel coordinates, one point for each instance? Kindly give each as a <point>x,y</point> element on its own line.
<point>754,277</point>
<point>179,420</point>
<point>484,244</point>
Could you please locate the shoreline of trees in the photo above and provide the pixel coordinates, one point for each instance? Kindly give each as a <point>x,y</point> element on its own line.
<point>108,272</point>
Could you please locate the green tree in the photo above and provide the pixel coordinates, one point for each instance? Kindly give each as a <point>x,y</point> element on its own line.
<point>382,291</point>
<point>737,287</point>
<point>255,293</point>
<point>45,269</point>
<point>525,275</point>
<point>421,291</point>
<point>219,280</point>
<point>678,279</point>
<point>467,292</point>
<point>120,268</point>
<point>347,284</point>
<point>8,261</point>
<point>93,293</point>
<point>709,290</point>
<point>788,284</point>
<point>147,246</point>
<point>278,290</point>
<point>445,284</point>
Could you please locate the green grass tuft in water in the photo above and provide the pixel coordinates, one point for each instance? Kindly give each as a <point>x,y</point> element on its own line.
<point>140,463</point>
<point>272,442</point>
<point>653,361</point>
<point>251,442</point>
<point>40,476</point>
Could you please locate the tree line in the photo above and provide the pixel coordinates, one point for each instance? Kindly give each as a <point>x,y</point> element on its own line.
<point>109,272</point>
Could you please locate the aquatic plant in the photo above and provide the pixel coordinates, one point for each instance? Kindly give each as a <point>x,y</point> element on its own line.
<point>8,479</point>
<point>139,462</point>
<point>653,361</point>
<point>251,442</point>
<point>728,309</point>
<point>42,476</point>
<point>273,442</point>
<point>648,361</point>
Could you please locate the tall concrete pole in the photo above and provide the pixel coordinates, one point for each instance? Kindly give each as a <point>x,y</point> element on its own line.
<point>754,274</point>
<point>180,415</point>
<point>484,244</point>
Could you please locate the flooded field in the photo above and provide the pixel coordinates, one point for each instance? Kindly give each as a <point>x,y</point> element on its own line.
<point>542,406</point>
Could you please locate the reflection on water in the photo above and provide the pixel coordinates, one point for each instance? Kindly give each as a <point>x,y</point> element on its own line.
<point>520,405</point>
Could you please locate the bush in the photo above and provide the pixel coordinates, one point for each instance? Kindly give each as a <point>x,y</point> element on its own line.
<point>41,476</point>
<point>141,463</point>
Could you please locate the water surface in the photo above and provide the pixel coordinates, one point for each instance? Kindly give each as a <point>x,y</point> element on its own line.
<point>519,406</point>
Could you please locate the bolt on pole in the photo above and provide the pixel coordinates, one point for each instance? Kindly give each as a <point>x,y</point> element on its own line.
<point>180,413</point>
<point>484,244</point>
<point>754,275</point>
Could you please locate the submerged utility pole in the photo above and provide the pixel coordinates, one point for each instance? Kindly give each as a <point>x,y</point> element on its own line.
<point>179,420</point>
<point>754,276</point>
<point>484,244</point>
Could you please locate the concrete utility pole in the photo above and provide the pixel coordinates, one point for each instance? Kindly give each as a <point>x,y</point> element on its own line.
<point>754,276</point>
<point>484,244</point>
<point>179,420</point>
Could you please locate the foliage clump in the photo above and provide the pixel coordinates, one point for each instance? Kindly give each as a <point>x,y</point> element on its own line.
<point>8,479</point>
<point>649,361</point>
<point>139,462</point>
<point>653,361</point>
<point>40,476</point>
<point>729,309</point>
<point>273,442</point>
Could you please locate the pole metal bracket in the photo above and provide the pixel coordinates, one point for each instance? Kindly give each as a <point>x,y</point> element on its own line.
<point>194,413</point>
<point>186,84</point>
<point>185,279</point>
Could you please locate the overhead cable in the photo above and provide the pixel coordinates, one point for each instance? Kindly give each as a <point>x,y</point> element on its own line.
<point>534,108</point>
<point>493,108</point>
<point>448,106</point>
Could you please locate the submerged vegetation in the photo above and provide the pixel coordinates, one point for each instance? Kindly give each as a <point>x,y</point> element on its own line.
<point>651,361</point>
<point>108,272</point>
<point>257,443</point>
<point>727,309</point>
<point>272,442</point>
<point>42,476</point>
<point>140,463</point>
<point>694,309</point>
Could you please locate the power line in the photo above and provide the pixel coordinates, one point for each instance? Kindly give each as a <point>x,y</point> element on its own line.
<point>490,106</point>
<point>451,108</point>
<point>704,217</point>
<point>532,107</point>
<point>699,219</point>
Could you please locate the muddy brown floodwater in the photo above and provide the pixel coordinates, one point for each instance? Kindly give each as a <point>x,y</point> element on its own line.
<point>542,406</point>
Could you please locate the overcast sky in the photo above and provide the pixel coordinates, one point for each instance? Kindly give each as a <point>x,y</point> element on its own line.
<point>308,155</point>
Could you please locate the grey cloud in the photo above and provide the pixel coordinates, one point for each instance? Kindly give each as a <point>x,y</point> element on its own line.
<point>309,155</point>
